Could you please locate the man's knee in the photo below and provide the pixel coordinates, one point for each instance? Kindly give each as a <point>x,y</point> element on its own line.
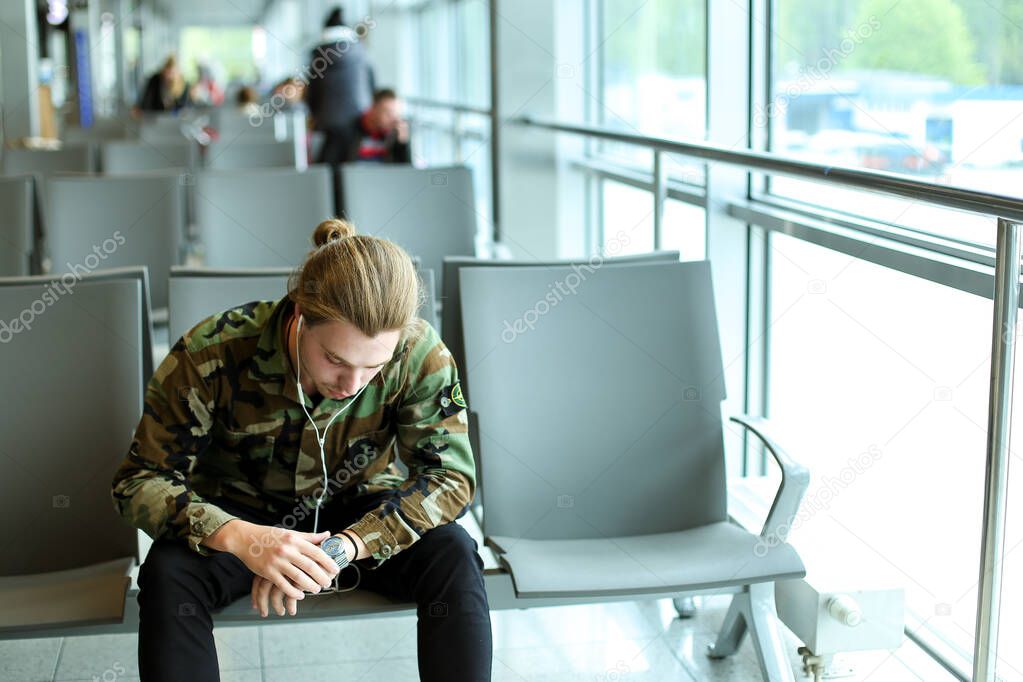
<point>167,579</point>
<point>451,546</point>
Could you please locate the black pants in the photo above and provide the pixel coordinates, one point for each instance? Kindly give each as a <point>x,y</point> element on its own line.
<point>442,573</point>
<point>338,144</point>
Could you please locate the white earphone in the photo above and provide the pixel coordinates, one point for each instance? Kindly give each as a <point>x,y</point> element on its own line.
<point>321,439</point>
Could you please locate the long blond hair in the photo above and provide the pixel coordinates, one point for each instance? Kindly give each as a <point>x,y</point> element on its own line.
<point>367,281</point>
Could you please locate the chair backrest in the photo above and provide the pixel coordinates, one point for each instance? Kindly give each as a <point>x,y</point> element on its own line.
<point>167,127</point>
<point>114,221</point>
<point>17,225</point>
<point>451,309</point>
<point>197,293</point>
<point>240,154</point>
<point>428,211</point>
<point>235,126</point>
<point>78,158</point>
<point>260,218</point>
<point>103,130</point>
<point>597,406</point>
<point>139,273</point>
<point>133,157</point>
<point>72,395</point>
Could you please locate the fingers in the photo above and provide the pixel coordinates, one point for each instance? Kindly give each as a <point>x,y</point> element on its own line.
<point>263,597</point>
<point>315,538</point>
<point>277,601</point>
<point>255,588</point>
<point>293,581</point>
<point>321,559</point>
<point>315,570</point>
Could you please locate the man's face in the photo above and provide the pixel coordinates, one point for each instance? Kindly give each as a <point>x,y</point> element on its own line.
<point>387,113</point>
<point>339,359</point>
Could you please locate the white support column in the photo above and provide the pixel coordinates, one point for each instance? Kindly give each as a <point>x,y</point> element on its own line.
<point>727,238</point>
<point>19,39</point>
<point>527,71</point>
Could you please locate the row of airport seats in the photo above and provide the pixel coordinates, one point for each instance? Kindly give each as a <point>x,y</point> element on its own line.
<point>243,219</point>
<point>219,138</point>
<point>132,149</point>
<point>598,432</point>
<point>131,156</point>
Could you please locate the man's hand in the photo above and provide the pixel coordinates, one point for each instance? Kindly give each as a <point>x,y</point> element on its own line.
<point>289,560</point>
<point>402,131</point>
<point>265,595</point>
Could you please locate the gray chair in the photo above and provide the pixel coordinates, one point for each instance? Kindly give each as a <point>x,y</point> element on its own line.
<point>602,443</point>
<point>114,221</point>
<point>451,309</point>
<point>240,154</point>
<point>165,127</point>
<point>133,157</point>
<point>197,293</point>
<point>60,456</point>
<point>260,218</point>
<point>138,273</point>
<point>103,130</point>
<point>78,158</point>
<point>18,222</point>
<point>234,126</point>
<point>428,211</point>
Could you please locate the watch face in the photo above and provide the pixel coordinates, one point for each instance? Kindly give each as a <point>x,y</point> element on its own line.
<point>332,546</point>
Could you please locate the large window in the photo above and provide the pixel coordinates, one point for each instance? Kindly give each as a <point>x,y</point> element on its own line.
<point>652,76</point>
<point>882,380</point>
<point>473,63</point>
<point>649,63</point>
<point>653,71</point>
<point>228,50</point>
<point>931,88</point>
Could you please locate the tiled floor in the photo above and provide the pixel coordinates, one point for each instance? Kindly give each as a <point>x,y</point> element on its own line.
<point>622,641</point>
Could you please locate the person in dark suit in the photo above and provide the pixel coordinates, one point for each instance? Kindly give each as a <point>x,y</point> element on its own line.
<point>340,87</point>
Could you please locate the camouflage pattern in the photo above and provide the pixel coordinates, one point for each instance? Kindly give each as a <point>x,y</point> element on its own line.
<point>222,420</point>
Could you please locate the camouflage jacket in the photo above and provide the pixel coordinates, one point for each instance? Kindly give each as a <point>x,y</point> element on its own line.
<point>222,420</point>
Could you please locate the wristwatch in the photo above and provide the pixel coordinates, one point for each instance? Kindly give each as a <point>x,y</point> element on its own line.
<point>335,549</point>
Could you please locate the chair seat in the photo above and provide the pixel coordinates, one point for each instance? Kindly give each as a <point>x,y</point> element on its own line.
<point>91,595</point>
<point>715,555</point>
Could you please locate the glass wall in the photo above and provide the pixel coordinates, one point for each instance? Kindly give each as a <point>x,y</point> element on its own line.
<point>649,63</point>
<point>880,380</point>
<point>929,88</point>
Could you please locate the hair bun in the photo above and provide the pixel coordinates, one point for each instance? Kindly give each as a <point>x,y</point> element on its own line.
<point>332,229</point>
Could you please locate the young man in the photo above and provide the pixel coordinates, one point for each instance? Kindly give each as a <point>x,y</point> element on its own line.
<point>264,464</point>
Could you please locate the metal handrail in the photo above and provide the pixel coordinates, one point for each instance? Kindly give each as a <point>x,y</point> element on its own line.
<point>876,181</point>
<point>437,104</point>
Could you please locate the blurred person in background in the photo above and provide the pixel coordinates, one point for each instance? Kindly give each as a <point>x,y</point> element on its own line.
<point>291,90</point>
<point>248,101</point>
<point>340,87</point>
<point>205,91</point>
<point>165,90</point>
<point>383,134</point>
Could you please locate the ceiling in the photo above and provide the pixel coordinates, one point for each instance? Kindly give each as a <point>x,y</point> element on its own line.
<point>212,12</point>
